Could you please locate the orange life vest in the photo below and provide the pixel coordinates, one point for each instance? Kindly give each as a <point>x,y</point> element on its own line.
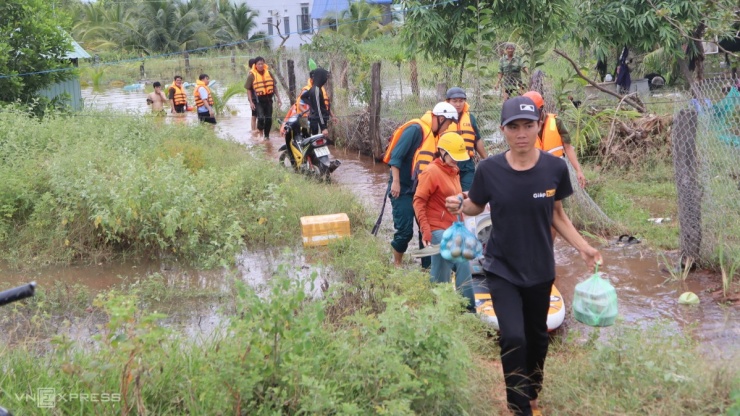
<point>294,109</point>
<point>550,140</point>
<point>465,129</point>
<point>180,97</point>
<point>425,153</point>
<point>308,86</point>
<point>198,99</point>
<point>263,83</point>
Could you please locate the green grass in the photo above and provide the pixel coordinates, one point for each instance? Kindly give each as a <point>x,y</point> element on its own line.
<point>650,370</point>
<point>117,184</point>
<point>630,198</point>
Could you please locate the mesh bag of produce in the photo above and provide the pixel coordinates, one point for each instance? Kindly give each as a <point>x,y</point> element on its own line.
<point>459,244</point>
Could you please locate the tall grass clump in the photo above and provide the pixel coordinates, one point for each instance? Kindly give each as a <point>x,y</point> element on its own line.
<point>100,184</point>
<point>638,371</point>
<point>276,355</point>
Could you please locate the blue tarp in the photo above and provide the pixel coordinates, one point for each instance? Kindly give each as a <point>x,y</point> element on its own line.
<point>324,8</point>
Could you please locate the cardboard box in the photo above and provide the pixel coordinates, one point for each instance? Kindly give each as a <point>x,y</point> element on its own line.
<point>317,230</point>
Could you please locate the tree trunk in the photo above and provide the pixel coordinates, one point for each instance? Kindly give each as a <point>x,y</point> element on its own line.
<point>699,34</point>
<point>345,74</point>
<point>275,70</point>
<point>462,68</point>
<point>414,79</point>
<point>441,91</point>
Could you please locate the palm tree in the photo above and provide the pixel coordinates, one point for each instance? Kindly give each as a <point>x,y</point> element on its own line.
<point>235,22</point>
<point>361,21</point>
<point>102,26</point>
<point>161,26</point>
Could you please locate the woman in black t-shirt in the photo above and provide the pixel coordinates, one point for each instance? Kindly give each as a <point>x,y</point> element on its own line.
<point>524,188</point>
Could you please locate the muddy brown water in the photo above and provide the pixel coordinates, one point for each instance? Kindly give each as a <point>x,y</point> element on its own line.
<point>645,289</point>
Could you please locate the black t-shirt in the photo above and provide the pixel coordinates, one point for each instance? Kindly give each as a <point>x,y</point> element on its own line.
<point>319,112</point>
<point>520,248</point>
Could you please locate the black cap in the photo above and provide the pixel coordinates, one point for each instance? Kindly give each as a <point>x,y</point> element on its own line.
<point>519,108</point>
<point>456,92</point>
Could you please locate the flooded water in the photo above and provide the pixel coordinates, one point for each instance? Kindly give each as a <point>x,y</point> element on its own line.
<point>644,288</point>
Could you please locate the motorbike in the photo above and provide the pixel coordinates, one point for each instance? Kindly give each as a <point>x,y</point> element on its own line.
<point>305,153</point>
<point>9,296</point>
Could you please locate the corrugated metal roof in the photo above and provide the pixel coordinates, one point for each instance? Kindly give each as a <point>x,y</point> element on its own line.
<point>322,8</point>
<point>77,52</point>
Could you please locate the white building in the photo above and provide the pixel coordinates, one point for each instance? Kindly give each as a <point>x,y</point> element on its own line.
<point>296,19</point>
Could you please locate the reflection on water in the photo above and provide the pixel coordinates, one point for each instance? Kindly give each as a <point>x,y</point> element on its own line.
<point>643,292</point>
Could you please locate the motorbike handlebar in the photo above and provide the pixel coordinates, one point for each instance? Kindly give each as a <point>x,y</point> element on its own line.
<point>17,293</point>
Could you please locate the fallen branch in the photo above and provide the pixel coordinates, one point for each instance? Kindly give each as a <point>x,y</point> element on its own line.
<point>636,105</point>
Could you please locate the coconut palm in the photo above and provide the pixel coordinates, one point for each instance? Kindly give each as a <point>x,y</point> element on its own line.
<point>165,26</point>
<point>235,22</point>
<point>361,21</point>
<point>102,26</point>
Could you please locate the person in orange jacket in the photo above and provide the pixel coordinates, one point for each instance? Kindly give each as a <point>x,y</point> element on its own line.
<point>439,180</point>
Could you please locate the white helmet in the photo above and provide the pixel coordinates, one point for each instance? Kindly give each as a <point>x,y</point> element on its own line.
<point>445,110</point>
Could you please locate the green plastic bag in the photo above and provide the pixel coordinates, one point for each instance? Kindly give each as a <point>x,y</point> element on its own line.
<point>595,301</point>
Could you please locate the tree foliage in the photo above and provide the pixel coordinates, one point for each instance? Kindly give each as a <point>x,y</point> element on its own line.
<point>674,27</point>
<point>361,21</point>
<point>163,26</point>
<point>31,41</point>
<point>437,29</point>
<point>455,30</point>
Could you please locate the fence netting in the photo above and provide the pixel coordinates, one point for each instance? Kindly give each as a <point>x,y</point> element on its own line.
<point>706,153</point>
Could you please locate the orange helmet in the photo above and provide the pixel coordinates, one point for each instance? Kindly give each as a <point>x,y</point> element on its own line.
<point>536,97</point>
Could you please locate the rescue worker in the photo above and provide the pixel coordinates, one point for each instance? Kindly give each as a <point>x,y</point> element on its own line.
<point>204,100</point>
<point>261,83</point>
<point>176,95</point>
<point>554,137</point>
<point>318,101</point>
<point>254,97</point>
<point>438,181</point>
<point>467,127</point>
<point>411,149</point>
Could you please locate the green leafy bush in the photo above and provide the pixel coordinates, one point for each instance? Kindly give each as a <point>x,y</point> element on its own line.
<point>276,355</point>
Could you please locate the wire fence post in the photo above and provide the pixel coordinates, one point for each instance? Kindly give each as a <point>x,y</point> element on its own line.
<point>291,79</point>
<point>375,99</point>
<point>187,63</point>
<point>688,186</point>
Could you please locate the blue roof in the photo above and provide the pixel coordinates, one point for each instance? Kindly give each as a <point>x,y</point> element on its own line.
<point>323,8</point>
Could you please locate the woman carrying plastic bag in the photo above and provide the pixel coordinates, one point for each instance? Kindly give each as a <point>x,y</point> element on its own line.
<point>438,181</point>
